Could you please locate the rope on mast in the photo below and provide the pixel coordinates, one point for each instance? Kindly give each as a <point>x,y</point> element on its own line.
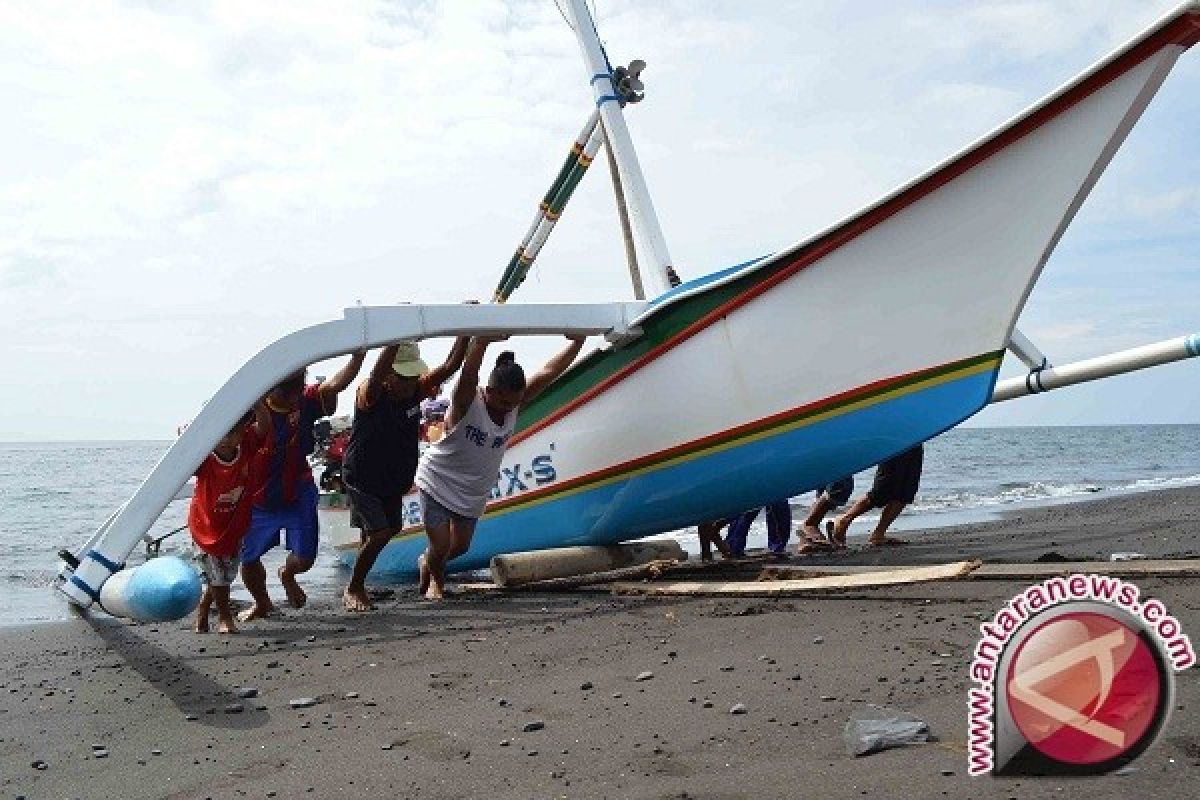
<point>635,273</point>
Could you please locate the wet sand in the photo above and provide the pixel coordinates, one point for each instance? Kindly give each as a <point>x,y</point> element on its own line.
<point>423,701</point>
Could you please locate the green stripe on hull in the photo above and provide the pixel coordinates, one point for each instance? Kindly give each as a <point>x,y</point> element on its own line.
<point>655,330</point>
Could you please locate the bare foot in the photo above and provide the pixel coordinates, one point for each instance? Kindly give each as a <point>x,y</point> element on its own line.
<point>225,625</point>
<point>434,594</point>
<point>836,531</point>
<point>423,571</point>
<point>201,625</point>
<point>356,600</point>
<point>256,612</point>
<point>295,595</point>
<point>811,533</point>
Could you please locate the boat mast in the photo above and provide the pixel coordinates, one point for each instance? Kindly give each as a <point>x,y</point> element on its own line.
<point>641,208</point>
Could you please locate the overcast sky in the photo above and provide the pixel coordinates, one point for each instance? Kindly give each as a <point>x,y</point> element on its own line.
<point>182,183</point>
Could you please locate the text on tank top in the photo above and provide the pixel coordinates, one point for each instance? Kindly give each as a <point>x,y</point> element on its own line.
<point>460,470</point>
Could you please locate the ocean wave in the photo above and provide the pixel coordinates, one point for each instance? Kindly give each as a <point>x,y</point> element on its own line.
<point>1165,483</point>
<point>1029,493</point>
<point>1005,494</point>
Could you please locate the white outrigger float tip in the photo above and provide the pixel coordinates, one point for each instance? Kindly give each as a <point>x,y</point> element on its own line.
<point>708,406</point>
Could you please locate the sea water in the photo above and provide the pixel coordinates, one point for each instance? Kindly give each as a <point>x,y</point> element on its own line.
<point>54,495</point>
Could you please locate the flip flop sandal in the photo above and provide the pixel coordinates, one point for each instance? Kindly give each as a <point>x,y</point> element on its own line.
<point>829,528</point>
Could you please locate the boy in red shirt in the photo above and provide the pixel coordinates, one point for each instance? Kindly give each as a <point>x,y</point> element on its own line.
<point>219,517</point>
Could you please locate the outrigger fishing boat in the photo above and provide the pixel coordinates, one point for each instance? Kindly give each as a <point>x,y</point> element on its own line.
<point>928,283</point>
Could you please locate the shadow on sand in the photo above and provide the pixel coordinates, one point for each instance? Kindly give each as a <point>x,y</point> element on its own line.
<point>192,692</point>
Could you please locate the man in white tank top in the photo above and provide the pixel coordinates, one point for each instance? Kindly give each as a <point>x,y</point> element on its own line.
<point>456,475</point>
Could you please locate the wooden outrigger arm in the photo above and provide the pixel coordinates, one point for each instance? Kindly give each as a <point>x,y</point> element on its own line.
<point>1020,346</point>
<point>359,329</point>
<point>1151,355</point>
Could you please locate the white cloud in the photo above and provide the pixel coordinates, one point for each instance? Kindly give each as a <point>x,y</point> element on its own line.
<point>1031,29</point>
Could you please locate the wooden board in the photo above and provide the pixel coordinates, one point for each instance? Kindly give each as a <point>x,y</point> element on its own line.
<point>1131,569</point>
<point>1145,568</point>
<point>786,588</point>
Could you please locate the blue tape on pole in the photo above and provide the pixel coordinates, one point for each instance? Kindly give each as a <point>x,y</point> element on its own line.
<point>104,562</point>
<point>606,98</point>
<point>1193,345</point>
<point>83,587</point>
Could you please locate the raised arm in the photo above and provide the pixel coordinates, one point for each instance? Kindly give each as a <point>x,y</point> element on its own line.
<point>440,374</point>
<point>554,367</point>
<point>262,420</point>
<point>468,380</point>
<point>332,386</point>
<point>368,390</point>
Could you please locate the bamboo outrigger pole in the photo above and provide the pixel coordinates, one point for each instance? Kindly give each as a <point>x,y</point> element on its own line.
<point>641,208</point>
<point>83,575</point>
<point>1150,355</point>
<point>583,152</point>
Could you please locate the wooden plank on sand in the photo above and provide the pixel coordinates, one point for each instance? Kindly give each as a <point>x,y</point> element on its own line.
<point>787,588</point>
<point>1141,568</point>
<point>1145,568</point>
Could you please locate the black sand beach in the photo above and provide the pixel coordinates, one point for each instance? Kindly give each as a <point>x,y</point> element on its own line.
<point>422,701</point>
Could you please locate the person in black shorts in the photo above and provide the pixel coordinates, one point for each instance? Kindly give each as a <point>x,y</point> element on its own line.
<point>381,458</point>
<point>896,482</point>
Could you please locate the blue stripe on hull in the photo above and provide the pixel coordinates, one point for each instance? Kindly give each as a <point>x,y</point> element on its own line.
<point>716,485</point>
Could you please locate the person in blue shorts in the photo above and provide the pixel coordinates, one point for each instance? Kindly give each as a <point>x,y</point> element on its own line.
<point>285,497</point>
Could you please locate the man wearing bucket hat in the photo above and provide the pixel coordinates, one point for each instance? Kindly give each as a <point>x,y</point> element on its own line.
<point>381,458</point>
